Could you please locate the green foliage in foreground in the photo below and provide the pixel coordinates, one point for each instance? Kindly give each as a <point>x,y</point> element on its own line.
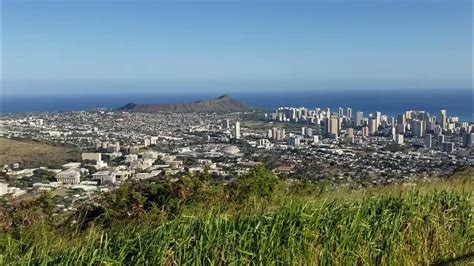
<point>408,228</point>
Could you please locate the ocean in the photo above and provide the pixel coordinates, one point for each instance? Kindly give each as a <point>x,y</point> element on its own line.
<point>458,102</point>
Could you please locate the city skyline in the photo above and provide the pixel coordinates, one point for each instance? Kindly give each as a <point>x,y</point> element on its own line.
<point>145,46</point>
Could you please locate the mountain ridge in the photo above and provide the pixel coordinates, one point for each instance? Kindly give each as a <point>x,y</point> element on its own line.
<point>223,103</point>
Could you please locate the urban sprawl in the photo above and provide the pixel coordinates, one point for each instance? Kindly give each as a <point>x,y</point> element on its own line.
<point>338,147</point>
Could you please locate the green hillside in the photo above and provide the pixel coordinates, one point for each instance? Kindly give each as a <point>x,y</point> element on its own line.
<point>256,219</point>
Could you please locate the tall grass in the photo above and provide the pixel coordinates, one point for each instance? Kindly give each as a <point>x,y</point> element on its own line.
<point>412,228</point>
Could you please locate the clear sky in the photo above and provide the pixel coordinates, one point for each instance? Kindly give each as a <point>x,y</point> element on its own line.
<point>205,46</point>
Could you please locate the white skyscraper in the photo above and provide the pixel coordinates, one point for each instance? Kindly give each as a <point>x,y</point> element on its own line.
<point>359,118</point>
<point>399,139</point>
<point>349,113</point>
<point>373,125</point>
<point>443,118</point>
<point>237,130</point>
<point>340,112</point>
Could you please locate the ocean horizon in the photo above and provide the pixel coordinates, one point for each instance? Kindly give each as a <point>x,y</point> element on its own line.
<point>458,102</point>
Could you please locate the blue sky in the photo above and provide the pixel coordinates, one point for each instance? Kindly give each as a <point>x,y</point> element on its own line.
<point>205,46</point>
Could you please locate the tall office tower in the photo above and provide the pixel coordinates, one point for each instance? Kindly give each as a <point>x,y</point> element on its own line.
<point>340,112</point>
<point>448,147</point>
<point>401,119</point>
<point>468,139</point>
<point>391,121</point>
<point>325,125</point>
<point>418,127</point>
<point>443,119</point>
<point>430,125</point>
<point>117,146</point>
<point>394,133</point>
<point>408,115</point>
<point>428,140</point>
<point>328,112</point>
<point>293,114</point>
<point>334,127</point>
<point>270,134</point>
<point>373,125</point>
<point>237,130</point>
<point>440,139</point>
<point>350,132</point>
<point>349,113</point>
<point>378,115</point>
<point>294,141</point>
<point>226,123</point>
<point>274,116</point>
<point>365,131</point>
<point>283,134</point>
<point>401,128</point>
<point>359,118</point>
<point>309,132</point>
<point>399,139</point>
<point>303,131</point>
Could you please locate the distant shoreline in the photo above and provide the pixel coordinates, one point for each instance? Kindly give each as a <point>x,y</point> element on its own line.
<point>458,102</point>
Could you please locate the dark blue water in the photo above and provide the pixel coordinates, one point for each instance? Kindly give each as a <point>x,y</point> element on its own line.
<point>458,102</point>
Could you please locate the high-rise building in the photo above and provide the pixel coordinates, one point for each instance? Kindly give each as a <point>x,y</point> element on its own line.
<point>428,140</point>
<point>334,127</point>
<point>401,119</point>
<point>418,128</point>
<point>350,132</point>
<point>399,140</point>
<point>340,112</point>
<point>430,125</point>
<point>237,130</point>
<point>440,139</point>
<point>226,123</point>
<point>443,119</point>
<point>468,140</point>
<point>448,147</point>
<point>400,129</point>
<point>294,141</point>
<point>373,125</point>
<point>359,119</point>
<point>349,113</point>
<point>365,131</point>
<point>378,116</point>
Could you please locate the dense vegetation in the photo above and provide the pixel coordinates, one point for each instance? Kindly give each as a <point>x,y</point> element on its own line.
<point>256,219</point>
